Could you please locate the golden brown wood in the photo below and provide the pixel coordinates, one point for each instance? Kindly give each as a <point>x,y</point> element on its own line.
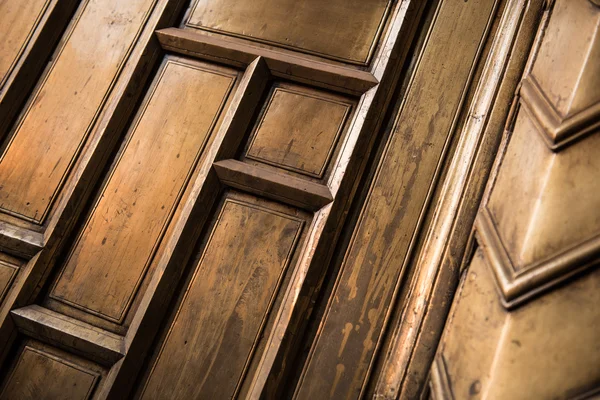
<point>29,30</point>
<point>290,190</point>
<point>42,372</point>
<point>116,247</point>
<point>18,20</point>
<point>514,332</point>
<point>218,323</point>
<point>347,30</point>
<point>46,140</point>
<point>298,130</point>
<point>51,327</point>
<point>288,66</point>
<point>343,351</point>
<point>8,272</point>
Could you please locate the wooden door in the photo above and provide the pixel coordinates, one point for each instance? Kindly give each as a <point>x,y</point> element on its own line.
<point>221,199</point>
<point>173,183</point>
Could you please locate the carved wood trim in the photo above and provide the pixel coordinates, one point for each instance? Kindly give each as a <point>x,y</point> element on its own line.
<point>518,287</point>
<point>556,130</point>
<point>263,182</point>
<point>292,67</point>
<point>49,326</point>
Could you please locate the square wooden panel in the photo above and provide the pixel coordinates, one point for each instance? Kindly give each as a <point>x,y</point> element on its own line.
<point>299,129</point>
<point>44,372</point>
<point>345,30</point>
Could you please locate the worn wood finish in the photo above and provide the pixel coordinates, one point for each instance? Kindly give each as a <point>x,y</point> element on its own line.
<point>311,26</point>
<point>511,317</point>
<point>288,66</point>
<point>9,267</point>
<point>298,130</point>
<point>53,127</point>
<point>29,30</point>
<point>117,244</point>
<point>221,315</point>
<point>60,330</point>
<point>43,372</point>
<point>426,301</point>
<point>290,190</point>
<point>342,353</point>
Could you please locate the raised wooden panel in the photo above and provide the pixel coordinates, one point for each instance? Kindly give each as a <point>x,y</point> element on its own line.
<point>53,127</point>
<point>298,129</point>
<point>116,246</point>
<point>345,30</point>
<point>343,352</point>
<point>18,19</point>
<point>42,372</point>
<point>218,323</point>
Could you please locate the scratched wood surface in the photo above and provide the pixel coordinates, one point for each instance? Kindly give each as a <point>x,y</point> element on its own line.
<point>116,246</point>
<point>345,344</point>
<point>59,115</point>
<point>219,320</point>
<point>311,25</point>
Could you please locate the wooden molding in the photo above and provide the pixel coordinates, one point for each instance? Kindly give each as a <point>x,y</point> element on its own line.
<point>52,327</point>
<point>292,67</point>
<point>439,384</point>
<point>518,287</point>
<point>556,130</point>
<point>261,181</point>
<point>19,241</point>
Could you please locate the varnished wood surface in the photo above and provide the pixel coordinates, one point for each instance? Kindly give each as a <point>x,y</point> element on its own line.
<point>60,113</point>
<point>298,130</point>
<point>43,372</point>
<point>220,318</point>
<point>350,331</point>
<point>339,29</point>
<point>288,66</point>
<point>18,19</point>
<point>116,246</point>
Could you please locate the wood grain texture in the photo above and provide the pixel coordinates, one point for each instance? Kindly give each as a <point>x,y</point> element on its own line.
<point>263,182</point>
<point>298,129</point>
<point>42,372</point>
<point>217,324</point>
<point>289,66</point>
<point>339,29</point>
<point>61,112</point>
<point>343,352</point>
<point>18,19</point>
<point>116,246</point>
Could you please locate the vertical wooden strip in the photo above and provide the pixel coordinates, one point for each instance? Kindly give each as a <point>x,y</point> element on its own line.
<point>343,351</point>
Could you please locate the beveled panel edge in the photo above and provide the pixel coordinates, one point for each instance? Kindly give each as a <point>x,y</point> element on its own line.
<point>69,333</point>
<point>15,270</point>
<point>288,189</point>
<point>439,382</point>
<point>168,60</point>
<point>364,63</point>
<point>295,68</point>
<point>348,106</point>
<point>556,130</point>
<point>516,288</point>
<point>20,241</point>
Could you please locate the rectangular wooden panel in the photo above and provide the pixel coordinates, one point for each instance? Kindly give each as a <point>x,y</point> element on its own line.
<point>351,329</point>
<point>220,318</point>
<point>120,237</point>
<point>43,372</point>
<point>18,19</point>
<point>53,127</point>
<point>346,30</point>
<point>298,129</point>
